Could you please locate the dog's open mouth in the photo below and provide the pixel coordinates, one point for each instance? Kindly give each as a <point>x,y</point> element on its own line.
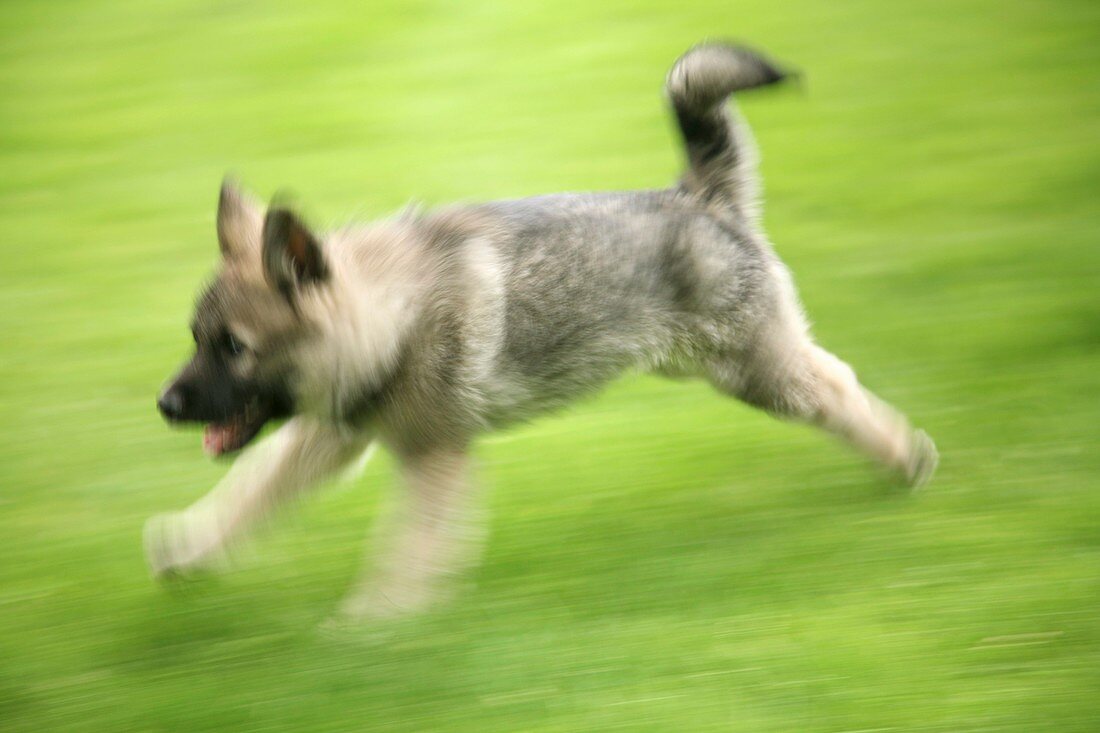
<point>234,433</point>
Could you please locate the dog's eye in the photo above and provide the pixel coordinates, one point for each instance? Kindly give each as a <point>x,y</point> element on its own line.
<point>233,346</point>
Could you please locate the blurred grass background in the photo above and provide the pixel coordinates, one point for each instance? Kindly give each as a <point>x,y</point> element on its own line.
<point>662,559</point>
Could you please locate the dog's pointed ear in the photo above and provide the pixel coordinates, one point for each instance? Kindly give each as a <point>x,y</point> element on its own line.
<point>292,256</point>
<point>239,220</point>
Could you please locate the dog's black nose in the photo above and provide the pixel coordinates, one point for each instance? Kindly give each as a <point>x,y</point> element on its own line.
<point>170,404</point>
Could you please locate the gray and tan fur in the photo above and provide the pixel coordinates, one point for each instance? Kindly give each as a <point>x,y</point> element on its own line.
<point>424,331</point>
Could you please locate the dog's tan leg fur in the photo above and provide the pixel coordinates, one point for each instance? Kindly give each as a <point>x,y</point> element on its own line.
<point>793,378</point>
<point>298,455</point>
<point>434,535</point>
<point>847,409</point>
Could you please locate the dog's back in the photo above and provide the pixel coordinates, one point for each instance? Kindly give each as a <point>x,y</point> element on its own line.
<point>598,283</point>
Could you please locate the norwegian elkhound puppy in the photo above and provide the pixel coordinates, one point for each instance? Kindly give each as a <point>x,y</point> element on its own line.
<point>423,331</point>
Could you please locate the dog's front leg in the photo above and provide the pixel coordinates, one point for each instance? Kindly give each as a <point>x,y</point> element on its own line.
<point>435,534</point>
<point>301,453</point>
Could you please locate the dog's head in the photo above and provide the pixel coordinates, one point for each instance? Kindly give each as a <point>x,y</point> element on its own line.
<point>247,325</point>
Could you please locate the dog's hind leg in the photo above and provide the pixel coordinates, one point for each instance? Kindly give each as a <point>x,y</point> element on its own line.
<point>434,535</point>
<point>299,454</point>
<point>789,376</point>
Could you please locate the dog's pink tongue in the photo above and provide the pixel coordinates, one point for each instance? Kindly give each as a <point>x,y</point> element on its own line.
<point>216,439</point>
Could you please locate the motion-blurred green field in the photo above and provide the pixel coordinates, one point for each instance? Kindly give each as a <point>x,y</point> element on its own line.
<point>661,558</point>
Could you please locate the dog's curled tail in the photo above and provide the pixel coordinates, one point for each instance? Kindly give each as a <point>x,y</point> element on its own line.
<point>721,152</point>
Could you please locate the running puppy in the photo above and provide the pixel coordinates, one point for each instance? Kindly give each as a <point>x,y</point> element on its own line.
<point>424,331</point>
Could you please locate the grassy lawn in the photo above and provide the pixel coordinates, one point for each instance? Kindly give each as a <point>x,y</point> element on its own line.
<point>661,559</point>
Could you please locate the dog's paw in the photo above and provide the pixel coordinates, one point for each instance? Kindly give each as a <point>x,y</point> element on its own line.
<point>170,552</point>
<point>164,538</point>
<point>376,604</point>
<point>394,599</point>
<point>923,459</point>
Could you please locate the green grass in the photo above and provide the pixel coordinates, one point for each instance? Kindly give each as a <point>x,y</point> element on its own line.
<point>661,559</point>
